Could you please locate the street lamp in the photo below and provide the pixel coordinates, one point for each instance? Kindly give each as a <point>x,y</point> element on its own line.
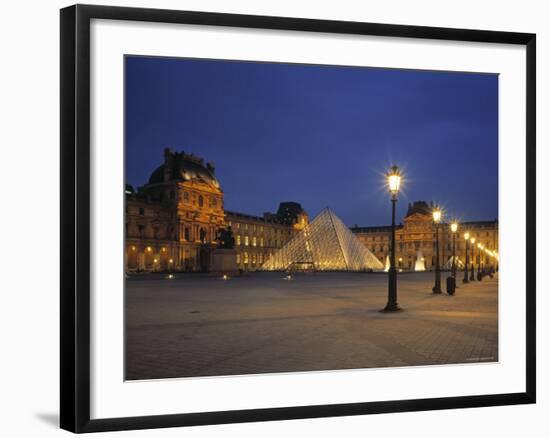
<point>466,258</point>
<point>437,218</point>
<point>454,228</point>
<point>472,241</point>
<point>479,275</point>
<point>394,181</point>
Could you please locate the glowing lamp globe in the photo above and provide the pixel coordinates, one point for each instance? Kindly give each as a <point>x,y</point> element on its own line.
<point>394,180</point>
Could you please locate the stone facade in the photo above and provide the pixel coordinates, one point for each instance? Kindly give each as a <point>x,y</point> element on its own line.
<point>417,232</point>
<point>172,222</point>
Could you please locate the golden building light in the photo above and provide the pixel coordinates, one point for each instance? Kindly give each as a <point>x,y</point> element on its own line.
<point>454,227</point>
<point>466,236</point>
<point>437,215</point>
<point>472,240</point>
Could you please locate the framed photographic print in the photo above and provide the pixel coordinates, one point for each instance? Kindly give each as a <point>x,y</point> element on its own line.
<point>271,218</point>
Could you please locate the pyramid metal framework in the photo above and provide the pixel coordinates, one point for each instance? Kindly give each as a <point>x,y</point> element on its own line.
<point>325,244</point>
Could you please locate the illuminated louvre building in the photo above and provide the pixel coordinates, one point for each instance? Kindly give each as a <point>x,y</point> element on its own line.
<point>172,222</point>
<point>415,238</point>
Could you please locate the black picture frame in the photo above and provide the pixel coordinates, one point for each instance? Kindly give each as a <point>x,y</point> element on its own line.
<point>75,217</point>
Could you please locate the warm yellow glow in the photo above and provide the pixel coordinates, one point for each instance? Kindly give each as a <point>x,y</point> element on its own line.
<point>163,249</point>
<point>133,248</point>
<point>466,236</point>
<point>473,240</point>
<point>148,249</point>
<point>171,261</point>
<point>225,277</point>
<point>155,261</point>
<point>394,180</point>
<point>454,227</point>
<point>400,259</point>
<point>437,215</point>
<point>480,246</point>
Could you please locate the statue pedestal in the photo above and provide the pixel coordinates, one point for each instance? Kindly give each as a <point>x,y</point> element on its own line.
<point>224,261</point>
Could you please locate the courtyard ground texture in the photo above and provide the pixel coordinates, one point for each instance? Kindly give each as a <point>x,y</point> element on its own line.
<point>196,325</point>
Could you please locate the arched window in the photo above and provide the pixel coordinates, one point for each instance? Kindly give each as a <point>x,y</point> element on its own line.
<point>201,201</point>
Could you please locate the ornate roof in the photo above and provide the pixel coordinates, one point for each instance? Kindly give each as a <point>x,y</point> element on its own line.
<point>179,166</point>
<point>419,207</point>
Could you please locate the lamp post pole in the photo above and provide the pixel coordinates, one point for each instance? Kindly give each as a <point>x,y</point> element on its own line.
<point>466,258</point>
<point>454,227</point>
<point>437,286</point>
<point>479,266</point>
<point>472,241</point>
<point>394,179</point>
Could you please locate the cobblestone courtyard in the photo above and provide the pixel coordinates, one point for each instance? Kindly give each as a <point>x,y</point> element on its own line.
<point>201,326</point>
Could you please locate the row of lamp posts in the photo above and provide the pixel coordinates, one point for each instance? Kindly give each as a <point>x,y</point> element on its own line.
<point>394,181</point>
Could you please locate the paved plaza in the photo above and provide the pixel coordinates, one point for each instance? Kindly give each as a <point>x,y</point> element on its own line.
<point>196,325</point>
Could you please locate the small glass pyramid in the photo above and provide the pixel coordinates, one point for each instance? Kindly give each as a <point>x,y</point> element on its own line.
<point>325,244</point>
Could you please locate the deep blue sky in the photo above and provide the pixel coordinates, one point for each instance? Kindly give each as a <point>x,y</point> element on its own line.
<point>320,135</point>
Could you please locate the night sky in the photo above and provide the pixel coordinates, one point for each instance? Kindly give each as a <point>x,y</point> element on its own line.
<point>320,135</point>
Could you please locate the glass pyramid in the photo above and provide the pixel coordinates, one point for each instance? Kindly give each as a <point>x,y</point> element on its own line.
<point>325,244</point>
<point>449,264</point>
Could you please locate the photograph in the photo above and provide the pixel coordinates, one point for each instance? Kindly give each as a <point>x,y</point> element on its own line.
<point>287,217</point>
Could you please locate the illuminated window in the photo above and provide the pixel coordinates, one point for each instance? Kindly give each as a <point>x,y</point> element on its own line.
<point>261,241</point>
<point>238,258</point>
<point>254,241</point>
<point>260,258</point>
<point>245,240</point>
<point>238,239</point>
<point>245,258</point>
<point>253,259</point>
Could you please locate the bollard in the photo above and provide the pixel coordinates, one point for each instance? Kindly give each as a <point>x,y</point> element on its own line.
<point>451,285</point>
